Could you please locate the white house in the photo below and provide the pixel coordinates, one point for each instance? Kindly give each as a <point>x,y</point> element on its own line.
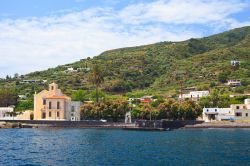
<point>234,83</point>
<point>235,62</point>
<point>5,113</point>
<point>194,95</point>
<point>242,111</point>
<point>217,114</point>
<point>70,70</point>
<point>235,112</point>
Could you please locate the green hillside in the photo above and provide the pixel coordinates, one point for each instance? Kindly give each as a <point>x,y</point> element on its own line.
<point>162,68</point>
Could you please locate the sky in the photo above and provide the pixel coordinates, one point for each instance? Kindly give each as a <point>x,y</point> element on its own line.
<point>40,34</point>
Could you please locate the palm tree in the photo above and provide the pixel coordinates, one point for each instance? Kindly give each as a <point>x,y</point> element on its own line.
<point>97,79</point>
<point>148,109</point>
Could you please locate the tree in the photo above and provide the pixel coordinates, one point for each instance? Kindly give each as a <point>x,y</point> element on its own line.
<point>87,111</point>
<point>222,77</point>
<point>79,95</point>
<point>165,109</point>
<point>25,105</point>
<point>114,110</point>
<point>8,97</point>
<point>97,79</point>
<point>148,110</point>
<point>215,98</point>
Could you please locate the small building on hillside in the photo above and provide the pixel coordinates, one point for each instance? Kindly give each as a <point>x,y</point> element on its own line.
<point>237,95</point>
<point>70,70</point>
<point>234,112</point>
<point>146,99</point>
<point>234,83</point>
<point>52,104</point>
<point>235,62</point>
<point>194,95</point>
<point>22,97</point>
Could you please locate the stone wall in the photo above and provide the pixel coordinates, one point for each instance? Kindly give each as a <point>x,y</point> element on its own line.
<point>166,124</point>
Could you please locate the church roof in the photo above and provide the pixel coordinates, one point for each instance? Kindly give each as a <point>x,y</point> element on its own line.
<point>57,97</point>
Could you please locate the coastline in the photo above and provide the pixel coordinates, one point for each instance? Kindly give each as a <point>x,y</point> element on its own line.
<point>115,125</point>
<point>220,125</point>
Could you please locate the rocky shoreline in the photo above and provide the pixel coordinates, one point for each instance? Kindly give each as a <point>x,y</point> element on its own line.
<point>5,125</point>
<point>220,125</point>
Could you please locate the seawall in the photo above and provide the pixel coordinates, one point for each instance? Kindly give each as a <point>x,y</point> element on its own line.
<point>69,124</point>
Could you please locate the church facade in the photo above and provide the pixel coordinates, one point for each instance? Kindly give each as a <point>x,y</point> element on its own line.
<point>52,104</point>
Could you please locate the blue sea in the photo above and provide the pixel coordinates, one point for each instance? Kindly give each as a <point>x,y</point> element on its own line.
<point>91,147</point>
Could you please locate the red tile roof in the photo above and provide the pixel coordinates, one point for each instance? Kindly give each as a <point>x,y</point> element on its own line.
<point>56,97</point>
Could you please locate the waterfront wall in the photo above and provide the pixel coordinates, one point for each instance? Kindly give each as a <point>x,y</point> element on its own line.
<point>95,123</point>
<point>175,124</point>
<point>51,123</point>
<point>166,124</point>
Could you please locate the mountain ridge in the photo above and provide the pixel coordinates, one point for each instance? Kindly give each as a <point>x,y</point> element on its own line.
<point>161,68</point>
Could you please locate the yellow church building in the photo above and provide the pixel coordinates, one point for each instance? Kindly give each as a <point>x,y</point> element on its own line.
<point>52,104</point>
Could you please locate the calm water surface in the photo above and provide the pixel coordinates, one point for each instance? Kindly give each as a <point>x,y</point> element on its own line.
<point>64,147</point>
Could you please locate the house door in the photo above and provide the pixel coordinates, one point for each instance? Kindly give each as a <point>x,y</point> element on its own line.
<point>211,117</point>
<point>43,115</point>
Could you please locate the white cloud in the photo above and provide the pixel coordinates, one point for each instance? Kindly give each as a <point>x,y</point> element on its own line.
<point>31,44</point>
<point>181,11</point>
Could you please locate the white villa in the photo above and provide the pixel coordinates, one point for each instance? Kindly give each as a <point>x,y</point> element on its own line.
<point>5,113</point>
<point>194,95</point>
<point>235,112</point>
<point>217,114</point>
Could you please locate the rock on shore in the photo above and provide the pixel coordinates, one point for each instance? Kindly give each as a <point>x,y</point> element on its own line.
<point>5,125</point>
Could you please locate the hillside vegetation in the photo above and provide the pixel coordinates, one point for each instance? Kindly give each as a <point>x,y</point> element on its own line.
<point>159,69</point>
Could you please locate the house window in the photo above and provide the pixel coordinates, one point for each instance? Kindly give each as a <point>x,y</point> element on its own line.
<point>50,114</point>
<point>215,110</point>
<point>44,101</point>
<point>58,105</point>
<point>238,114</point>
<point>50,105</point>
<point>246,114</point>
<point>43,115</point>
<point>57,114</point>
<point>237,107</point>
<point>244,107</point>
<point>72,109</point>
<point>52,87</point>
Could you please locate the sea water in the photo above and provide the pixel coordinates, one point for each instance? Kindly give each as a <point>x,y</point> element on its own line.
<point>64,147</point>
